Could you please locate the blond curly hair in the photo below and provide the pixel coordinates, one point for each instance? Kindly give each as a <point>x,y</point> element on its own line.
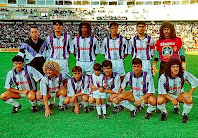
<point>52,65</point>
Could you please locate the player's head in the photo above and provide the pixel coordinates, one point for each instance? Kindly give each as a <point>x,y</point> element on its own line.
<point>77,72</point>
<point>137,65</point>
<point>57,25</point>
<point>85,29</point>
<point>97,69</point>
<point>173,68</point>
<point>167,30</point>
<point>18,62</point>
<point>141,25</point>
<point>113,28</point>
<point>34,32</point>
<point>51,69</point>
<point>107,67</point>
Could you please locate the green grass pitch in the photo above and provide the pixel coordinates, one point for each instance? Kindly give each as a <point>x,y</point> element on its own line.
<point>67,124</point>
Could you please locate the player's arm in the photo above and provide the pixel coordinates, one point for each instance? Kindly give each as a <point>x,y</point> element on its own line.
<point>174,101</point>
<point>139,101</point>
<point>192,80</point>
<point>47,109</point>
<point>182,57</point>
<point>154,69</point>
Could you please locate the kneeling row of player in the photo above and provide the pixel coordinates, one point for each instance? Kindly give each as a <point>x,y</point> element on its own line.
<point>98,87</point>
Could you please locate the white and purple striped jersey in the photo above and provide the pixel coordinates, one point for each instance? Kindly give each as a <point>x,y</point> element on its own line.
<point>174,85</point>
<point>114,48</point>
<point>24,80</point>
<point>141,48</point>
<point>52,85</point>
<point>97,81</point>
<point>57,48</point>
<point>74,87</point>
<point>139,86</point>
<point>114,82</point>
<point>85,48</point>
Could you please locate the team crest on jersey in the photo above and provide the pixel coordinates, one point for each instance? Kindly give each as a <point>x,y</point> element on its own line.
<point>147,42</point>
<point>142,82</point>
<point>63,40</point>
<point>119,42</point>
<point>167,52</point>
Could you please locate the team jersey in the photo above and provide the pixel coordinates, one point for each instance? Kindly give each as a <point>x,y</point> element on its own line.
<point>97,81</point>
<point>175,85</point>
<point>74,87</point>
<point>85,48</point>
<point>141,48</point>
<point>139,86</point>
<point>24,80</point>
<point>114,48</point>
<point>28,52</point>
<point>113,83</point>
<point>57,48</point>
<point>169,48</point>
<point>52,85</point>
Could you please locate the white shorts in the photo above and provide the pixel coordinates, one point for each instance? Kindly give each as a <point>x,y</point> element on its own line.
<point>87,67</point>
<point>118,66</point>
<point>63,64</point>
<point>22,95</point>
<point>97,94</point>
<point>146,66</point>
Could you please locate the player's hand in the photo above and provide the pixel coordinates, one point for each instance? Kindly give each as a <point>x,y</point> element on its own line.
<point>63,87</point>
<point>76,110</point>
<point>138,103</point>
<point>47,112</point>
<point>105,86</point>
<point>101,89</point>
<point>186,96</point>
<point>154,69</point>
<point>184,65</point>
<point>25,91</point>
<point>174,102</point>
<point>93,88</point>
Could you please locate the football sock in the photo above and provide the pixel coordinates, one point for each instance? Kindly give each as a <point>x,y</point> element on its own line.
<point>98,109</point>
<point>115,105</point>
<point>94,104</point>
<point>176,106</point>
<point>187,108</point>
<point>128,105</point>
<point>150,108</point>
<point>12,102</point>
<point>61,100</point>
<point>33,103</point>
<point>162,108</point>
<point>85,104</point>
<point>104,109</point>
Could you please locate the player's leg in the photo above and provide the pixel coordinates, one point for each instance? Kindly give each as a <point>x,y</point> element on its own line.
<point>115,106</point>
<point>85,99</point>
<point>75,103</point>
<point>127,95</point>
<point>98,108</point>
<point>161,100</point>
<point>187,100</point>
<point>61,94</point>
<point>31,95</point>
<point>103,106</point>
<point>151,101</point>
<point>91,102</point>
<point>9,97</point>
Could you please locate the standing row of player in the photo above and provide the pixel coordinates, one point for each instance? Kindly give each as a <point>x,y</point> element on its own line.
<point>58,46</point>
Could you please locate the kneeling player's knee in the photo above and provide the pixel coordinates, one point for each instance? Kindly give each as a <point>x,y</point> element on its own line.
<point>85,98</point>
<point>152,101</point>
<point>31,97</point>
<point>160,101</point>
<point>189,101</point>
<point>66,101</point>
<point>3,97</point>
<point>91,100</point>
